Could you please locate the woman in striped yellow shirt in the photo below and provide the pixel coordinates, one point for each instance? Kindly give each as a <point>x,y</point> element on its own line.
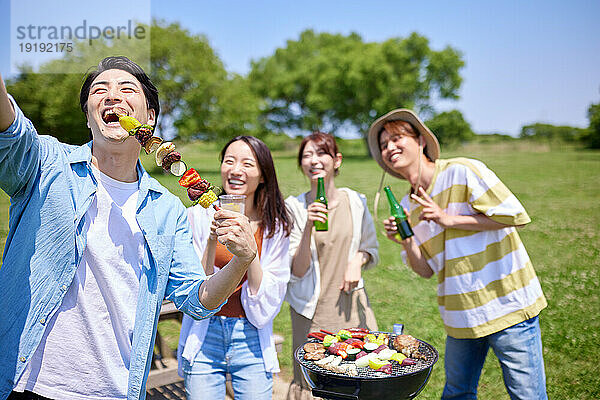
<point>464,220</point>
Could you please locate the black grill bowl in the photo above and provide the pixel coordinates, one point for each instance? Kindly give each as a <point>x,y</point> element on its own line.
<point>404,383</point>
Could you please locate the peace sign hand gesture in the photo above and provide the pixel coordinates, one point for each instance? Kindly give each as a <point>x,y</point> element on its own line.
<point>431,211</point>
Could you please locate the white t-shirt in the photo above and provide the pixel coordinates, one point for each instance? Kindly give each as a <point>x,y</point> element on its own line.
<point>85,351</point>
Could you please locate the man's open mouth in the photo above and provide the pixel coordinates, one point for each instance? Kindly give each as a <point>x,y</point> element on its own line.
<point>110,115</point>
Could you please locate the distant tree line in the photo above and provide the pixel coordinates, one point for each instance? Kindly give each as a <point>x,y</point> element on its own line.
<point>323,81</point>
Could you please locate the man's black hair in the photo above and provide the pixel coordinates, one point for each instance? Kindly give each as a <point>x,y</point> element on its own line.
<point>125,64</point>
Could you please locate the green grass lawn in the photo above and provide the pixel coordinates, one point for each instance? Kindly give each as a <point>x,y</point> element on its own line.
<point>559,187</point>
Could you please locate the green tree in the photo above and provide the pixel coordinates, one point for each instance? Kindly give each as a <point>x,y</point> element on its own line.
<point>51,101</point>
<point>539,131</point>
<point>592,136</point>
<point>324,81</point>
<point>236,111</point>
<point>188,75</point>
<point>450,128</point>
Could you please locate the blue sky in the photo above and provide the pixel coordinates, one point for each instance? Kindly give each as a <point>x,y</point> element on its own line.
<point>526,61</point>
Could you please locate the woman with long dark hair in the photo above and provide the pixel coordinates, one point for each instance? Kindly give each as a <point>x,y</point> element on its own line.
<point>239,339</point>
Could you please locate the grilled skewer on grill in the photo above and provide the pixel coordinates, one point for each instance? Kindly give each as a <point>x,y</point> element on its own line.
<point>409,346</point>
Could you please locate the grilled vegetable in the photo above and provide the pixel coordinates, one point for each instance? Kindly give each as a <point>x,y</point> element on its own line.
<point>355,343</point>
<point>191,177</point>
<point>386,354</point>
<point>162,151</point>
<point>376,363</point>
<point>362,361</point>
<point>343,334</point>
<point>328,340</point>
<point>398,357</point>
<point>370,338</point>
<point>352,353</point>
<point>128,123</point>
<point>339,349</point>
<point>207,199</point>
<point>380,348</point>
<point>370,346</point>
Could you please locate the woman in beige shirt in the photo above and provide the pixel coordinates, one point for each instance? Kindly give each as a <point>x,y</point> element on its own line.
<point>326,290</point>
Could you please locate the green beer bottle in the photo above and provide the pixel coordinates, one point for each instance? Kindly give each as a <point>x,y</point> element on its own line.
<point>404,229</point>
<point>321,198</point>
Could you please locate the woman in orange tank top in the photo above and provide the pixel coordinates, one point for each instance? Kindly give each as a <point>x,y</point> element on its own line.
<point>238,340</point>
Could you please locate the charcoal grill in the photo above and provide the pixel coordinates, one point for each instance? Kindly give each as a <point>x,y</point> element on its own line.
<point>403,383</point>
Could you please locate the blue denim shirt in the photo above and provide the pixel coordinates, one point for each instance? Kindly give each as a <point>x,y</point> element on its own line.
<point>51,187</point>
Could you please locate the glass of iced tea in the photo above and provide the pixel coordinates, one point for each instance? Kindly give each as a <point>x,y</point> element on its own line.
<point>233,202</point>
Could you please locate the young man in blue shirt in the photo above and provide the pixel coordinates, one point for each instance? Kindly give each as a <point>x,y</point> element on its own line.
<point>94,246</point>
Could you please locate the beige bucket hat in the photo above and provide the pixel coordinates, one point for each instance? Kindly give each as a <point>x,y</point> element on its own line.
<point>432,147</point>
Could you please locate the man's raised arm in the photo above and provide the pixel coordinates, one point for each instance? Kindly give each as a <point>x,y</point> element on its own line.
<point>7,113</point>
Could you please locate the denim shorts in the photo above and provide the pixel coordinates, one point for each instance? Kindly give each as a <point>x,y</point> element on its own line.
<point>519,350</point>
<point>231,346</point>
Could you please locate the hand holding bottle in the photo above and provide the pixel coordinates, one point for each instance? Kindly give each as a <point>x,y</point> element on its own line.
<point>391,230</point>
<point>321,225</point>
<point>399,214</point>
<point>317,212</point>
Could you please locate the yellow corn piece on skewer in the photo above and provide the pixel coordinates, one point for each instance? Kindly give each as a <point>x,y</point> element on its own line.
<point>207,198</point>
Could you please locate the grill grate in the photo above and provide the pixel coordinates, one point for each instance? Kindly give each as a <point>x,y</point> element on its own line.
<point>427,350</point>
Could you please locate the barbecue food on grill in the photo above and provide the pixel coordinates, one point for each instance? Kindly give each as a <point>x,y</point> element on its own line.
<point>333,364</point>
<point>352,353</point>
<point>329,340</point>
<point>380,339</point>
<point>376,363</point>
<point>314,351</point>
<point>359,344</point>
<point>314,347</point>
<point>396,378</point>
<point>344,354</point>
<point>408,345</point>
<point>370,346</point>
<point>339,349</point>
<point>314,356</point>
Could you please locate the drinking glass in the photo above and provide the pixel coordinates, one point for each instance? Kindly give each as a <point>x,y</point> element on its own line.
<point>233,202</point>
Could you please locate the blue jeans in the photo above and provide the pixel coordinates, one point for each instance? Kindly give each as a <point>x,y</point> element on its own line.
<point>231,346</point>
<point>519,350</point>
